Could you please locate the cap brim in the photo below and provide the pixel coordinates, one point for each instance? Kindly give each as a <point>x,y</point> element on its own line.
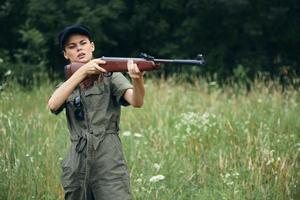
<point>64,36</point>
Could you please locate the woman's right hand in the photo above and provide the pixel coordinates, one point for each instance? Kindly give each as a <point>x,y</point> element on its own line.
<point>93,67</point>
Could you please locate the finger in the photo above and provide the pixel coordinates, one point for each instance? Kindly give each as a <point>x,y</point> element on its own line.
<point>130,61</point>
<point>136,69</point>
<point>99,61</point>
<point>98,68</point>
<point>130,65</point>
<point>96,65</point>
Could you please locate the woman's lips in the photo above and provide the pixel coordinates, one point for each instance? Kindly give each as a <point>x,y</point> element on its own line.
<point>81,55</point>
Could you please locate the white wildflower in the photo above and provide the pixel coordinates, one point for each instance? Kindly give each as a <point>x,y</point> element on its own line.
<point>213,83</point>
<point>139,180</point>
<point>230,183</point>
<point>227,175</point>
<point>127,133</point>
<point>235,174</point>
<point>270,161</point>
<point>157,178</point>
<point>138,135</point>
<point>156,166</point>
<point>278,159</point>
<point>7,73</point>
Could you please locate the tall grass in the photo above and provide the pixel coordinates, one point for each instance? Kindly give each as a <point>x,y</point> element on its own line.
<point>205,142</point>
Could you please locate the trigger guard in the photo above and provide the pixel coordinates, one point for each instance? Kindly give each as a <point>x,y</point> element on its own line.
<point>107,74</point>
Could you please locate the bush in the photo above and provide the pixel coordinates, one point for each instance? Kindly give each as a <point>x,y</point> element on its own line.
<point>28,64</point>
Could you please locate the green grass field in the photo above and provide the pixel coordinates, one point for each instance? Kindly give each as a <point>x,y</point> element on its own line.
<point>203,141</point>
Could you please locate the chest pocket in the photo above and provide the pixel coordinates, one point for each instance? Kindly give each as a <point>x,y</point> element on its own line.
<point>70,102</point>
<point>95,97</point>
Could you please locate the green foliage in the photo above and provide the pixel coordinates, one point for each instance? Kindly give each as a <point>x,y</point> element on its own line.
<point>5,64</point>
<point>30,61</point>
<point>261,36</point>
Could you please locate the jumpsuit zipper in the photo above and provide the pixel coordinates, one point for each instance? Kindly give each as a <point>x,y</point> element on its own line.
<point>88,143</point>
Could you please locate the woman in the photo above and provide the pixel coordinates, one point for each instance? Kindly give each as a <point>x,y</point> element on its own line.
<point>94,167</point>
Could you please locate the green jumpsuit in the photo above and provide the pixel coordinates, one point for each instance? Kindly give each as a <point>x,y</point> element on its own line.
<point>94,167</point>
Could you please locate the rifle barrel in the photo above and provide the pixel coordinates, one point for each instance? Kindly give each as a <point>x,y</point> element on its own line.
<point>163,61</point>
<point>180,61</point>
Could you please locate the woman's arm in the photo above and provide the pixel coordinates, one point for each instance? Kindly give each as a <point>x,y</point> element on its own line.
<point>62,93</point>
<point>136,95</point>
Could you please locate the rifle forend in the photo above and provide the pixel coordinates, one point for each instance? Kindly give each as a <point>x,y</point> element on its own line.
<point>145,63</point>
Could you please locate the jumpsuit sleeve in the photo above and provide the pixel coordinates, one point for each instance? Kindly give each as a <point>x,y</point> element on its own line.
<point>119,85</point>
<point>61,108</point>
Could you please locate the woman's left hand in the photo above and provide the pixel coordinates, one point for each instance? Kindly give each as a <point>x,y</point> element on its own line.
<point>133,70</point>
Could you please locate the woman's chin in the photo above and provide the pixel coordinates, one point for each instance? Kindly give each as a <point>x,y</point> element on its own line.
<point>82,60</point>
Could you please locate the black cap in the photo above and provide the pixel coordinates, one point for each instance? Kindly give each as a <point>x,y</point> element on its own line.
<point>69,30</point>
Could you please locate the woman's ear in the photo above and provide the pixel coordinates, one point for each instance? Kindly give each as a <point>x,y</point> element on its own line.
<point>93,46</point>
<point>65,55</point>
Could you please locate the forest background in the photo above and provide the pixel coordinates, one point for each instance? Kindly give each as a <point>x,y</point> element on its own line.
<point>240,39</point>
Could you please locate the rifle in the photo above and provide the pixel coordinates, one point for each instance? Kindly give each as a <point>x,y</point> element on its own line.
<point>119,64</point>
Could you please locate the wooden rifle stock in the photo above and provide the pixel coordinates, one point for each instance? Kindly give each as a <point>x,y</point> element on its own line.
<point>114,65</point>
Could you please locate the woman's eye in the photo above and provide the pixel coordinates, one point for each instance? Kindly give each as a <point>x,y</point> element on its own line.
<point>71,46</point>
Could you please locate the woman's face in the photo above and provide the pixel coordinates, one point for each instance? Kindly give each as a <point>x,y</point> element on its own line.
<point>79,48</point>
